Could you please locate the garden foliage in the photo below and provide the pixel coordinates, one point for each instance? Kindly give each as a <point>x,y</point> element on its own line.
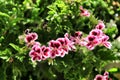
<point>50,20</point>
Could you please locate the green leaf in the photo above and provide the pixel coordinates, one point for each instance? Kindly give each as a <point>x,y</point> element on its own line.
<point>5,55</point>
<point>113,70</point>
<point>17,48</point>
<point>4,14</point>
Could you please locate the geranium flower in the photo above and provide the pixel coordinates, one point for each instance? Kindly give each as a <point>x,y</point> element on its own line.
<point>84,12</point>
<point>92,41</point>
<point>55,47</point>
<point>65,46</point>
<point>71,43</point>
<point>107,45</point>
<point>105,76</point>
<point>98,77</point>
<point>45,52</point>
<point>96,32</point>
<point>104,41</point>
<point>100,25</point>
<point>76,38</point>
<point>31,37</point>
<point>35,55</point>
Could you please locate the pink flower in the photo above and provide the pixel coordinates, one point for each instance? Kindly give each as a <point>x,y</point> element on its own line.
<point>63,52</point>
<point>83,42</point>
<point>107,45</point>
<point>65,46</point>
<point>36,48</point>
<point>54,53</point>
<point>92,41</point>
<point>90,46</point>
<point>71,44</point>
<point>55,47</point>
<point>100,25</point>
<point>105,42</point>
<point>45,52</point>
<point>39,53</point>
<point>37,43</point>
<point>105,76</point>
<point>96,32</point>
<point>98,77</point>
<point>104,38</point>
<point>31,37</point>
<point>84,12</point>
<point>35,55</point>
<point>66,35</point>
<point>91,38</point>
<point>75,39</point>
<point>78,34</point>
<point>54,44</point>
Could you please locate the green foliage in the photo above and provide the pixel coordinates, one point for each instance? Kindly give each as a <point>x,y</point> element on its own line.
<point>52,19</point>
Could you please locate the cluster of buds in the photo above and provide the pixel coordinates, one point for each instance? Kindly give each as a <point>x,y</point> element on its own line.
<point>62,46</point>
<point>105,76</point>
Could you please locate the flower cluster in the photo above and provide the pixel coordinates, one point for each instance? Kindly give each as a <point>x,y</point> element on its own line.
<point>84,12</point>
<point>97,37</point>
<point>58,47</point>
<point>105,76</point>
<point>62,46</point>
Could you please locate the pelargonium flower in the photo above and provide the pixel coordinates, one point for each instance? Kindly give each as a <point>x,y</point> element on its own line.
<point>31,37</point>
<point>90,46</point>
<point>76,38</point>
<point>35,56</point>
<point>104,38</point>
<point>45,52</point>
<point>35,53</point>
<point>92,41</point>
<point>37,43</point>
<point>78,34</point>
<point>91,38</point>
<point>39,53</point>
<point>100,25</point>
<point>71,44</point>
<point>105,76</point>
<point>107,45</point>
<point>66,45</point>
<point>84,12</point>
<point>106,73</point>
<point>36,48</point>
<point>55,47</point>
<point>98,77</point>
<point>63,52</point>
<point>96,32</point>
<point>104,41</point>
<point>83,42</point>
